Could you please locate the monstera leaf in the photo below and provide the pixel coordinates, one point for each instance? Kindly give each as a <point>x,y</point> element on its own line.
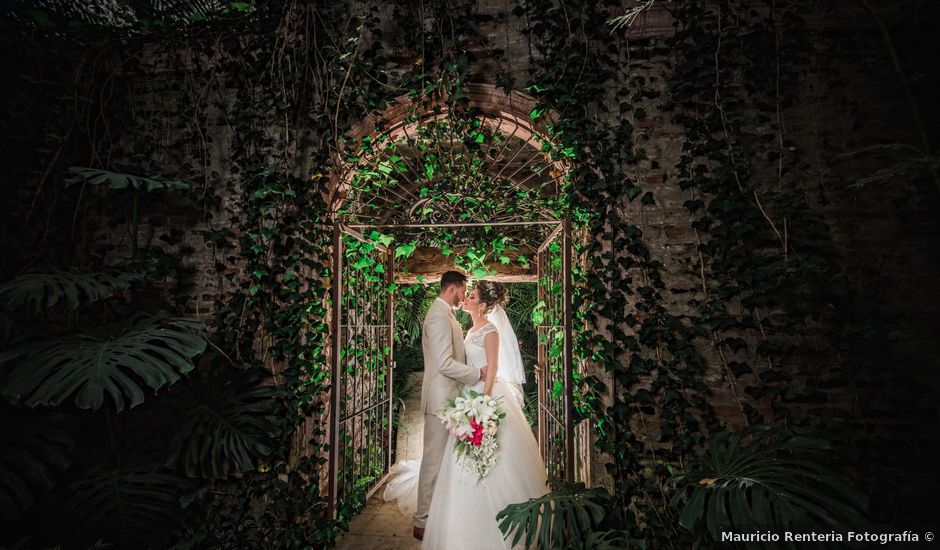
<point>118,180</point>
<point>224,425</point>
<point>560,519</point>
<point>766,477</point>
<point>133,506</point>
<point>34,451</point>
<point>611,540</point>
<point>39,290</point>
<point>116,360</point>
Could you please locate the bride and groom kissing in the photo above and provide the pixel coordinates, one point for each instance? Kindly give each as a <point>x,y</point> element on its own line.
<point>454,508</point>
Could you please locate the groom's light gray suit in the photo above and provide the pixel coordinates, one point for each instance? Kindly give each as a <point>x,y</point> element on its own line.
<point>444,371</point>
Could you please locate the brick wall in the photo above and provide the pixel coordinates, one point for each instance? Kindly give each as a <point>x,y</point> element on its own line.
<point>869,228</point>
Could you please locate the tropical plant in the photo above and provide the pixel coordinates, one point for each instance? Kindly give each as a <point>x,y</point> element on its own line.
<point>902,163</point>
<point>409,315</point>
<point>112,360</point>
<point>102,478</point>
<point>129,506</point>
<point>41,289</point>
<point>224,424</point>
<point>135,185</point>
<point>115,478</point>
<point>35,448</point>
<point>569,517</point>
<point>769,478</point>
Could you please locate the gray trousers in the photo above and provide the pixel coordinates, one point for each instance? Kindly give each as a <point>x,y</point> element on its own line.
<point>435,439</point>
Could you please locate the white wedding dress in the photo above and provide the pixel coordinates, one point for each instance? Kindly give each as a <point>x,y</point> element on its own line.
<point>463,512</point>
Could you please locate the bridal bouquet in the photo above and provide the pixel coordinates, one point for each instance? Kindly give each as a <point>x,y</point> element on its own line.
<point>473,418</point>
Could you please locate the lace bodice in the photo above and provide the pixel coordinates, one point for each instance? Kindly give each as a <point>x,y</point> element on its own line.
<point>476,354</point>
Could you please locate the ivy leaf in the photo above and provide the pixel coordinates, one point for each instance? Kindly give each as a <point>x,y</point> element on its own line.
<point>633,192</point>
<point>538,313</point>
<point>480,273</point>
<point>406,250</point>
<point>558,389</point>
<point>384,239</point>
<point>363,263</point>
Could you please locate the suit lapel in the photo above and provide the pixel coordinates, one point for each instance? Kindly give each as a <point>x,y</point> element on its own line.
<point>456,331</point>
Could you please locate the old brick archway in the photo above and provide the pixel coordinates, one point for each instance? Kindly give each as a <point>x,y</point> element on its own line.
<point>509,146</point>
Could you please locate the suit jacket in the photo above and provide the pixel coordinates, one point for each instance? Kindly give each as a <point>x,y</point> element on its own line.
<point>444,358</point>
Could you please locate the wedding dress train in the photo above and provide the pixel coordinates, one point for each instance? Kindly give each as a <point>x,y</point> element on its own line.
<point>463,511</point>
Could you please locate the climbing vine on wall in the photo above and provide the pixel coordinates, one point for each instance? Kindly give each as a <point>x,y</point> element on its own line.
<point>760,250</point>
<point>308,73</point>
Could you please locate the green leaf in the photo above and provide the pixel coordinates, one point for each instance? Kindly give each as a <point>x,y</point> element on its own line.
<point>481,273</point>
<point>406,250</point>
<point>117,180</point>
<point>35,449</point>
<point>224,425</point>
<point>362,263</point>
<point>769,477</point>
<point>538,313</point>
<point>133,506</point>
<point>116,360</point>
<point>44,289</point>
<point>560,519</point>
<point>384,239</point>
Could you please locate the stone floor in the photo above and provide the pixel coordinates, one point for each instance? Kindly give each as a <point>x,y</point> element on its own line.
<point>382,526</point>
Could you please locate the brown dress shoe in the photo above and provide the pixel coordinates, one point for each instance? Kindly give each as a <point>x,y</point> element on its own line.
<point>418,532</point>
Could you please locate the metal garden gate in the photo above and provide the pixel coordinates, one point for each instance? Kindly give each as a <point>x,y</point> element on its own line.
<point>362,366</point>
<point>555,384</point>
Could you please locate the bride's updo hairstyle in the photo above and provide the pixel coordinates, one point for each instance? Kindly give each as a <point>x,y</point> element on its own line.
<point>492,294</point>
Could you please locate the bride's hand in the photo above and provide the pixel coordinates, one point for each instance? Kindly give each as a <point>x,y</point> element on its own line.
<point>483,373</point>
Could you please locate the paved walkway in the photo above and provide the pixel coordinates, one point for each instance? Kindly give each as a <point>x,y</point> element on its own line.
<point>381,525</point>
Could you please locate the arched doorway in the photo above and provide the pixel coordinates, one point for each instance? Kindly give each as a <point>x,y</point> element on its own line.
<point>436,184</point>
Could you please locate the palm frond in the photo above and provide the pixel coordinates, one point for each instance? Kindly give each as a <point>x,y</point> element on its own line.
<point>114,360</point>
<point>766,477</point>
<point>409,316</point>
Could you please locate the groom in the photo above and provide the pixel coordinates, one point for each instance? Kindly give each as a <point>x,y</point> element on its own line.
<point>444,371</point>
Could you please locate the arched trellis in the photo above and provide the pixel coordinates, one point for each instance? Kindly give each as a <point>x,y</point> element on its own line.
<point>387,182</point>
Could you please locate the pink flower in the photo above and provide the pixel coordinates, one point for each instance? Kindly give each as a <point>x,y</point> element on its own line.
<point>477,432</point>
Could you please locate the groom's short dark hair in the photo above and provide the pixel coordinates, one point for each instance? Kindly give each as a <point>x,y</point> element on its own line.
<point>451,278</point>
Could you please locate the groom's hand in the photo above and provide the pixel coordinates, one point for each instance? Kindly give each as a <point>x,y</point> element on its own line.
<point>483,373</point>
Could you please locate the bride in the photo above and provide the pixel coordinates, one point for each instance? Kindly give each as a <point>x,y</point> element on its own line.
<point>463,511</point>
